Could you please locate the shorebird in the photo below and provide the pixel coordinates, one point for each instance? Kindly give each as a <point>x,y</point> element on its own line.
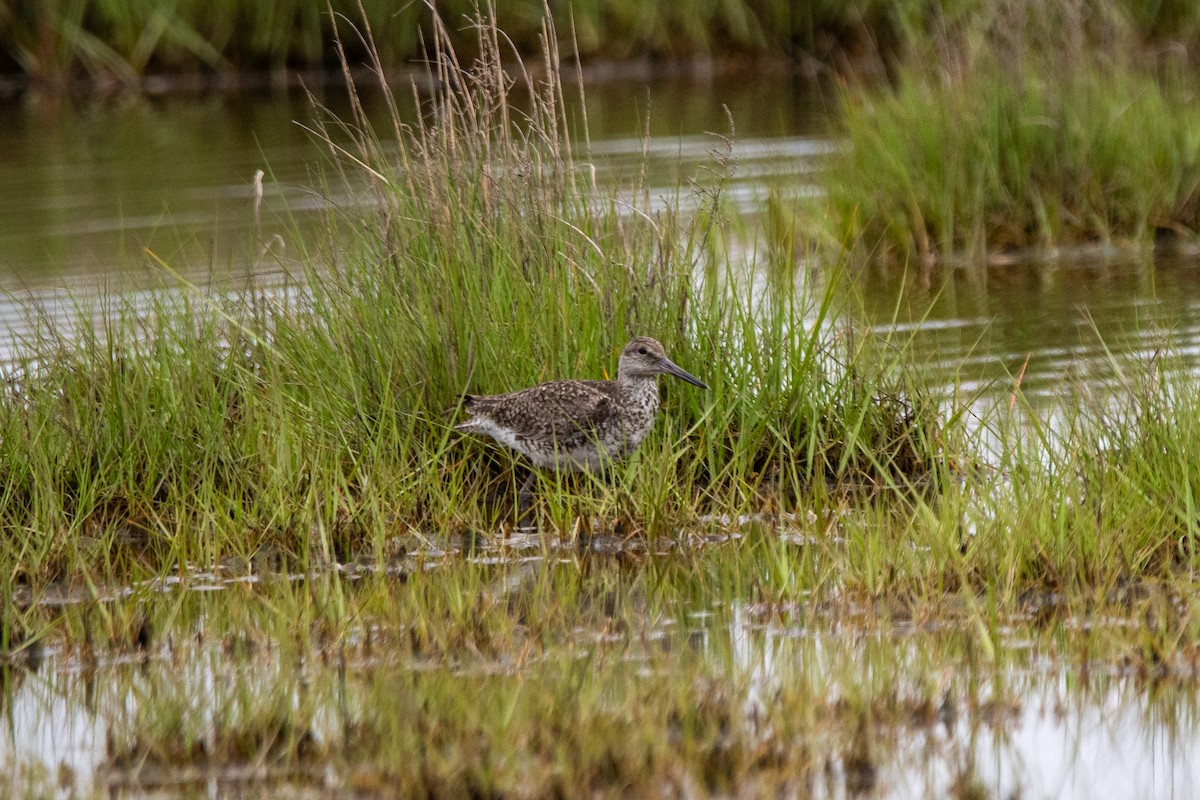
<point>577,425</point>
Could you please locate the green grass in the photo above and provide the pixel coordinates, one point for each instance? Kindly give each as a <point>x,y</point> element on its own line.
<point>316,425</point>
<point>319,422</point>
<point>999,160</point>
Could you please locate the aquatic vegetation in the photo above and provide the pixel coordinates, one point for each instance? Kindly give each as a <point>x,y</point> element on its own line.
<point>312,425</point>
<point>528,669</point>
<point>317,420</point>
<point>1035,157</point>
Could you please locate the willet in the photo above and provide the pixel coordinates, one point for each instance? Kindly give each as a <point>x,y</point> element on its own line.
<point>579,424</point>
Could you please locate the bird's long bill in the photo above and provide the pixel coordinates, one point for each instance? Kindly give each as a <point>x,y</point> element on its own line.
<point>671,368</point>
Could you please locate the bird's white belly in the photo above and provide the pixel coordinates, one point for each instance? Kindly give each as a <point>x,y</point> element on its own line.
<point>589,456</point>
<point>595,455</point>
<point>508,438</point>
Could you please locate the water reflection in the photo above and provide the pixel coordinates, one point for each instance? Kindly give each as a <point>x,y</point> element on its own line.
<point>1034,729</point>
<point>978,326</point>
<point>83,189</point>
<point>1117,742</point>
<point>939,720</point>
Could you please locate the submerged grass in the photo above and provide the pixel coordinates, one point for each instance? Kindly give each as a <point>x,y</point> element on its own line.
<point>699,670</point>
<point>631,686</point>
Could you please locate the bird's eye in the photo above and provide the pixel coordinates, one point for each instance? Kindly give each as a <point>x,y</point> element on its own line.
<point>641,351</point>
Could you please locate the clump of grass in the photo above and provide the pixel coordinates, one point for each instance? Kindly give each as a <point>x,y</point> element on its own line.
<point>1041,156</point>
<point>1090,510</point>
<point>1138,469</point>
<point>318,422</point>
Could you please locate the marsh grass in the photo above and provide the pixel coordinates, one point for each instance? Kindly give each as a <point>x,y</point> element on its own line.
<point>1141,466</point>
<point>311,427</point>
<point>756,655</point>
<point>1045,155</point>
<point>806,566</point>
<point>189,427</point>
<point>619,674</point>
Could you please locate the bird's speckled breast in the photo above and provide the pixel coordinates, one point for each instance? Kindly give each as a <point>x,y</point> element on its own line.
<point>639,405</point>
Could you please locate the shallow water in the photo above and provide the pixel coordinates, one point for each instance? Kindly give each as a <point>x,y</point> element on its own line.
<point>85,191</point>
<point>1035,728</point>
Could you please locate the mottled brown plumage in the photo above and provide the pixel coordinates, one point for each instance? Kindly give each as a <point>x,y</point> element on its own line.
<point>579,424</point>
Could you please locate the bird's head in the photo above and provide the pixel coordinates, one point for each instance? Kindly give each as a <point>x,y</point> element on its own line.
<point>645,358</point>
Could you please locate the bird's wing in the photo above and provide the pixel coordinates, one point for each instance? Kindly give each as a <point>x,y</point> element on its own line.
<point>560,409</point>
<point>569,408</point>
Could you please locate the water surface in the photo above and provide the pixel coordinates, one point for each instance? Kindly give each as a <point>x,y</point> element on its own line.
<point>86,191</point>
<point>1036,728</point>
